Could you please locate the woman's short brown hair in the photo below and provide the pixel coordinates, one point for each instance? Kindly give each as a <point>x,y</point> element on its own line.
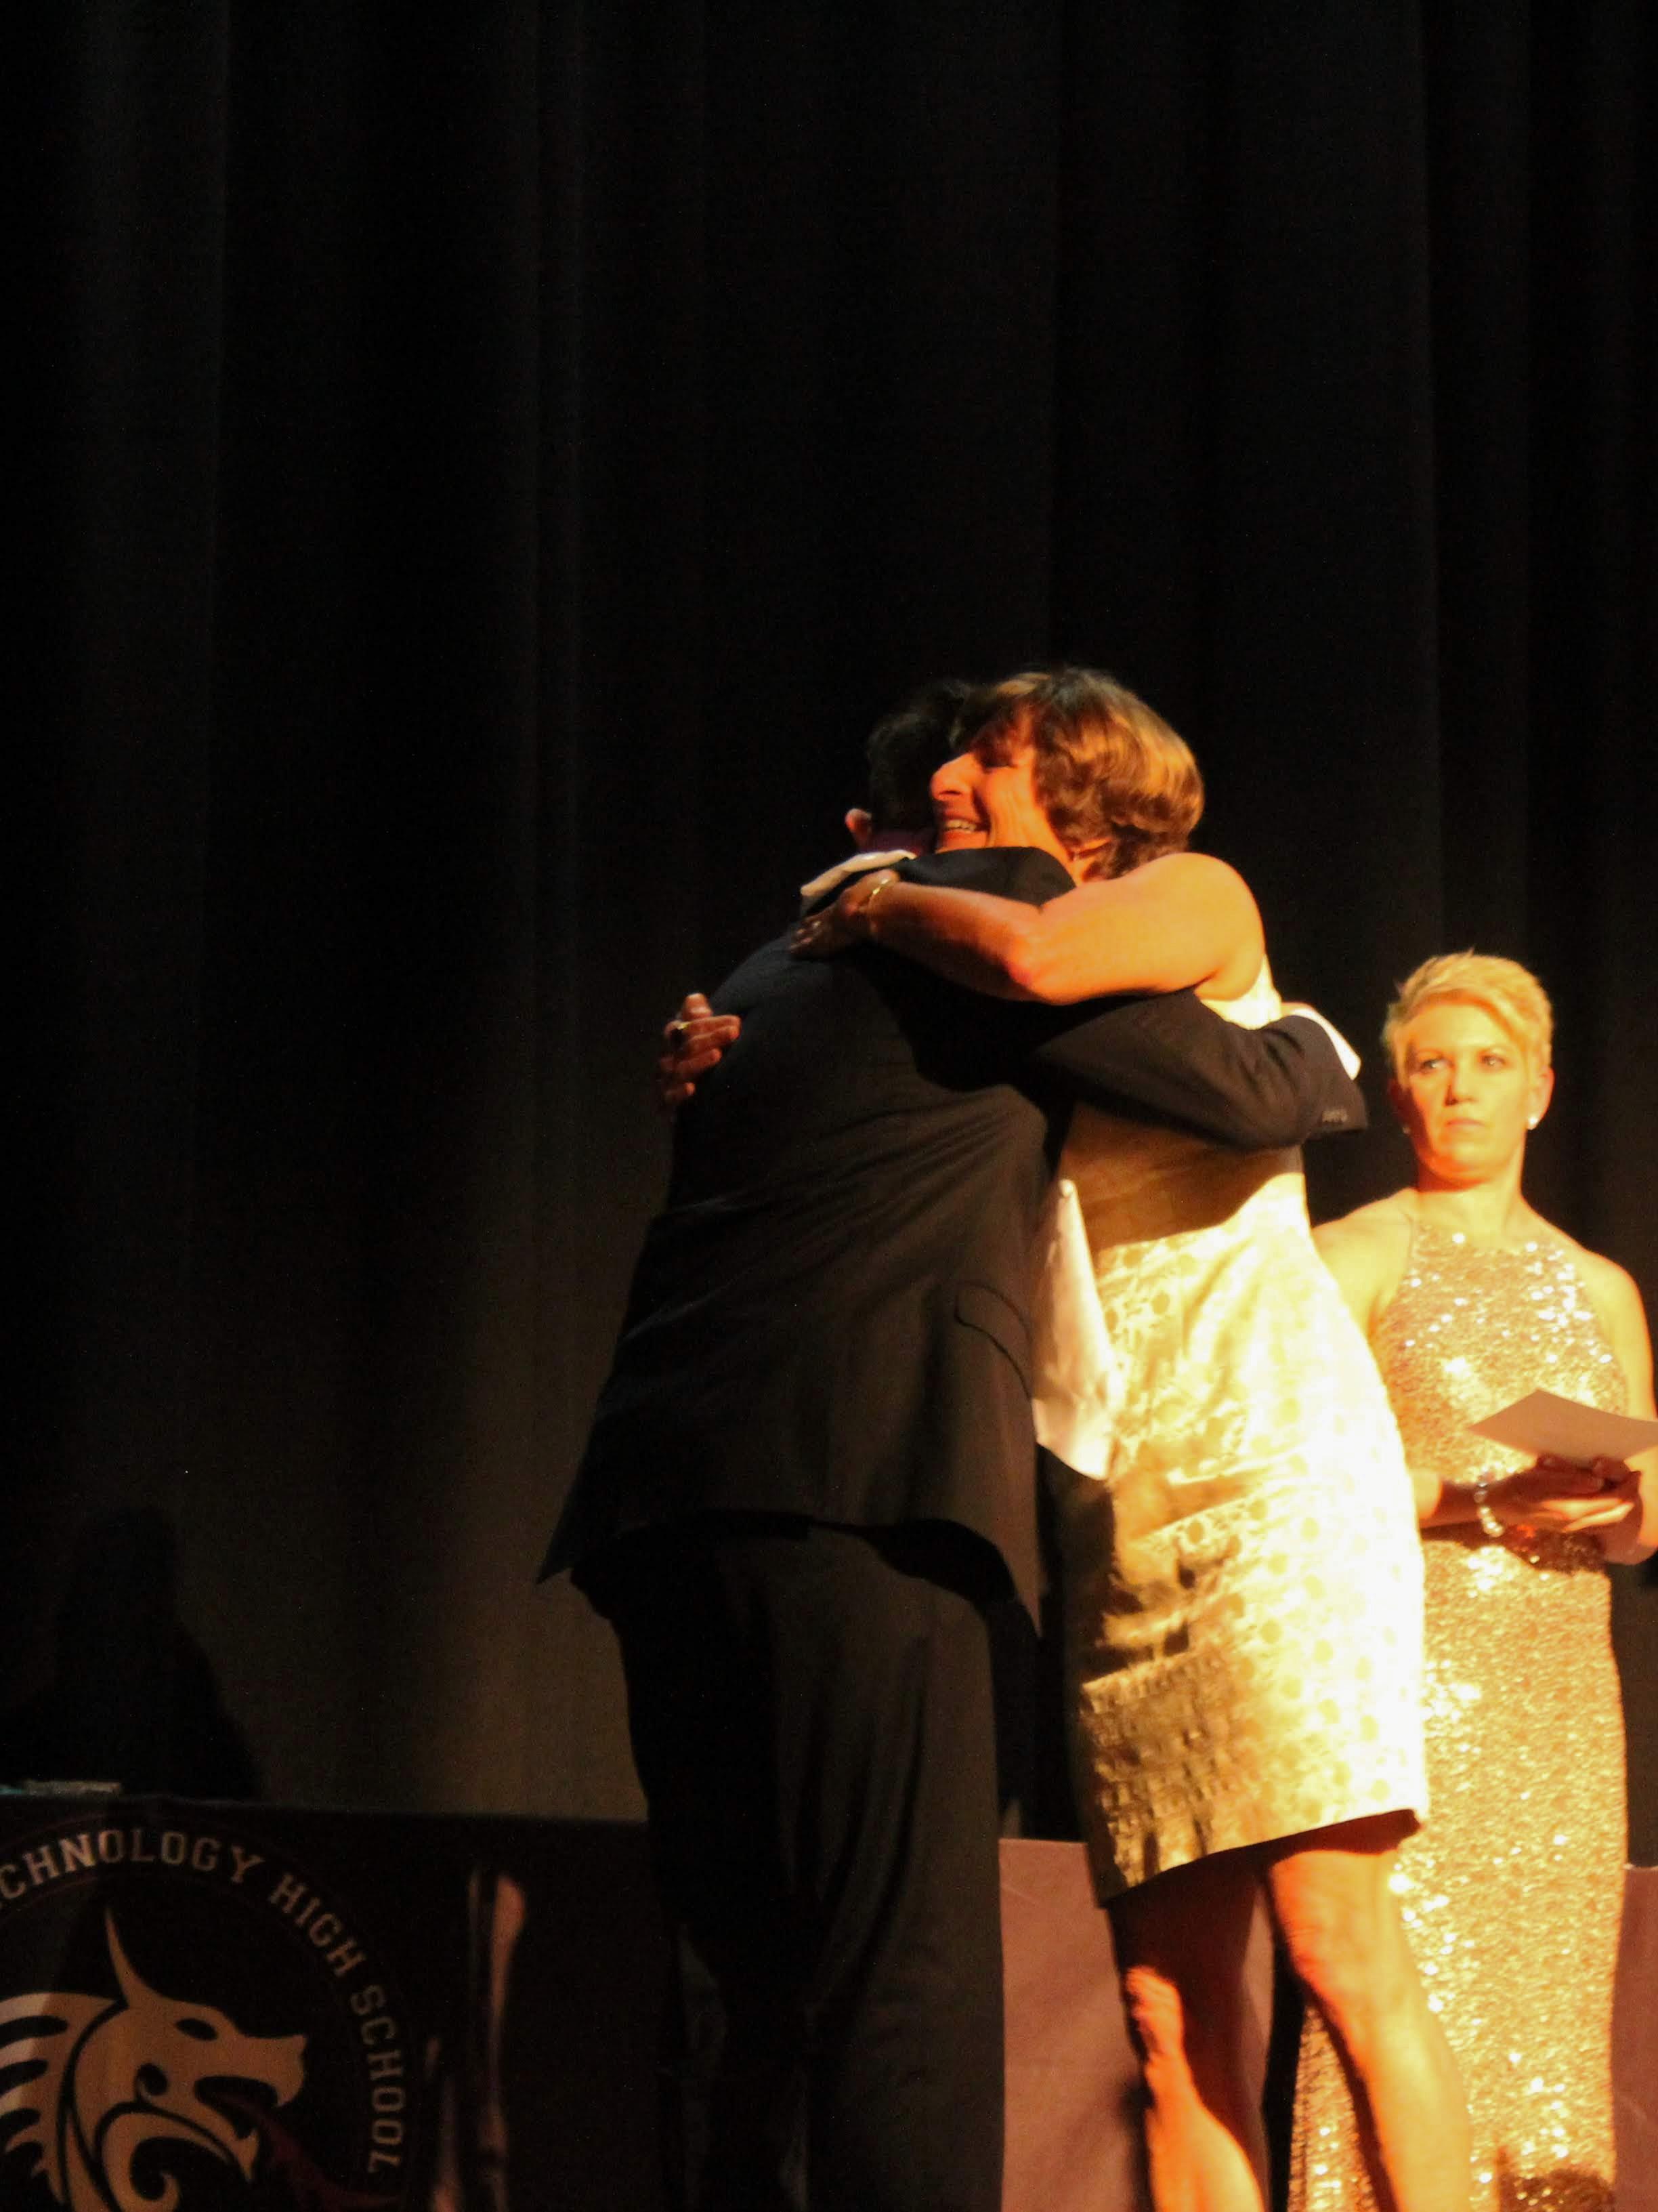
<point>1108,770</point>
<point>1511,995</point>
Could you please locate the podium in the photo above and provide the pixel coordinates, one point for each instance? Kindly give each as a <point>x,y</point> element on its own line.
<point>329,2011</point>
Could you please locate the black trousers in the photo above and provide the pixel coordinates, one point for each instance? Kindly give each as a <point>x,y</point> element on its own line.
<point>813,1723</point>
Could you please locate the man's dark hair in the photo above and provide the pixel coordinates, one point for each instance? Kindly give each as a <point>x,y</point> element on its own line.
<point>906,748</point>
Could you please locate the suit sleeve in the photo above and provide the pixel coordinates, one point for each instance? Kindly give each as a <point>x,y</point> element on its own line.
<point>1166,1054</point>
<point>1174,1057</point>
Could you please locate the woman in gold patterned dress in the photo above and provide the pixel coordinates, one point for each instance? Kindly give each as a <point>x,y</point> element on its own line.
<point>1243,1578</point>
<point>1511,1893</point>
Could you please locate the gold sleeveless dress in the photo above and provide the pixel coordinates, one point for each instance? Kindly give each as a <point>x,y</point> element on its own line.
<point>1242,1577</point>
<point>1512,1893</point>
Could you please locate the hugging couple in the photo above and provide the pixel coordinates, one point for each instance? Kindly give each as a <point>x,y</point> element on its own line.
<point>812,1469</point>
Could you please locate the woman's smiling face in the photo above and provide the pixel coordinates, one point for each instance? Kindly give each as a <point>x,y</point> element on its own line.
<point>988,797</point>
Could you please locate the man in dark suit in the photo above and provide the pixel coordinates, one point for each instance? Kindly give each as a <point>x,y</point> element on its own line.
<point>810,1468</point>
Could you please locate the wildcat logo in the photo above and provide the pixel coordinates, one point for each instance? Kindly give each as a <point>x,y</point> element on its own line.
<point>109,2077</point>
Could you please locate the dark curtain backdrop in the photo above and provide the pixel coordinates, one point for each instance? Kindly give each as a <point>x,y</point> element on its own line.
<point>480,470</point>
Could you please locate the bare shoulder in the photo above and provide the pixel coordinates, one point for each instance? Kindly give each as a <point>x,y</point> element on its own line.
<point>1185,879</point>
<point>1195,892</point>
<point>1616,1298</point>
<point>1366,1251</point>
<point>1382,1225</point>
<point>1196,875</point>
<point>1613,1289</point>
<point>1184,920</point>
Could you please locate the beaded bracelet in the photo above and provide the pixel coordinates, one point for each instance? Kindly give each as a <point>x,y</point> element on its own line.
<point>1484,1512</point>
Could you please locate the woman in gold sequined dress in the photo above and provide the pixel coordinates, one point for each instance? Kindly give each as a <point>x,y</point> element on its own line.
<point>1243,1581</point>
<point>1512,1893</point>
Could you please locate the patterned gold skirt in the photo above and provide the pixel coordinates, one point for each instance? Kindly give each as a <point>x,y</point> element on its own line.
<point>1244,1583</point>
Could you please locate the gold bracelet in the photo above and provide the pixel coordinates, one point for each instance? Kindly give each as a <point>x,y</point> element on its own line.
<point>883,884</point>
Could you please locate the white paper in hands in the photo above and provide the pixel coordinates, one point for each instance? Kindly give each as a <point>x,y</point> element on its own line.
<point>1564,1428</point>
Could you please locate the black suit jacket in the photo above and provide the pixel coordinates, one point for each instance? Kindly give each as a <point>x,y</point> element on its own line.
<point>831,1316</point>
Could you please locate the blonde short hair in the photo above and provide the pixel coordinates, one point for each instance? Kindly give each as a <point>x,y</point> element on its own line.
<point>1511,995</point>
<point>1106,766</point>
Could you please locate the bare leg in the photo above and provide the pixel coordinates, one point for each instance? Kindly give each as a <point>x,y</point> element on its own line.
<point>1181,1941</point>
<point>1340,1926</point>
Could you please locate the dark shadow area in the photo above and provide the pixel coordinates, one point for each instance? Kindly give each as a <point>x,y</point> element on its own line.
<point>132,1697</point>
